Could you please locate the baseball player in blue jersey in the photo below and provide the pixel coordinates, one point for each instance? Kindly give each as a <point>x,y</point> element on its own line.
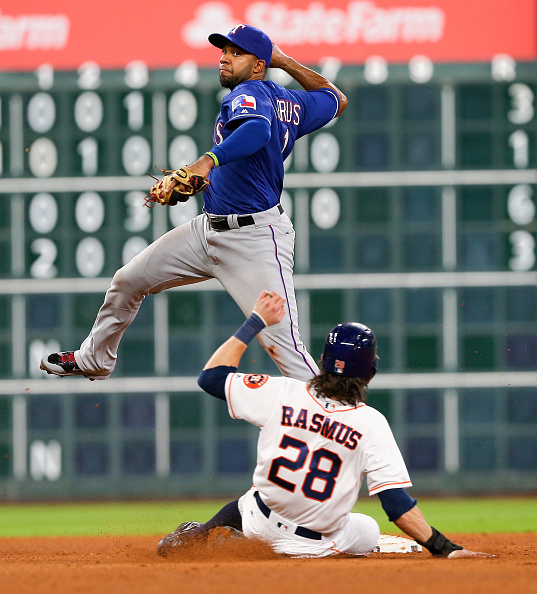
<point>317,441</point>
<point>243,238</point>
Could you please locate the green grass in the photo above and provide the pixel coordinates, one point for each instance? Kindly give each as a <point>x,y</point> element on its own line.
<point>71,519</point>
<point>155,518</point>
<point>482,515</point>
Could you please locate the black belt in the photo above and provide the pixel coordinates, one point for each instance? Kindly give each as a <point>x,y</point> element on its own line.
<point>300,531</point>
<point>220,223</point>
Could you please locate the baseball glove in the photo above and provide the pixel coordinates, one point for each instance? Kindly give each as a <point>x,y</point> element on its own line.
<point>192,182</point>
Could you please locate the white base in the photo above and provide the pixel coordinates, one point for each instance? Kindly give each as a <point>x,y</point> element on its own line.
<point>396,544</point>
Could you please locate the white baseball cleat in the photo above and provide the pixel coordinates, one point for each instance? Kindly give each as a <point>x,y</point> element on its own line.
<point>396,544</point>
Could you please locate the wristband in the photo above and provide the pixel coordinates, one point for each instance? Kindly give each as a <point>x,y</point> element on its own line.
<point>439,545</point>
<point>251,327</point>
<point>213,157</point>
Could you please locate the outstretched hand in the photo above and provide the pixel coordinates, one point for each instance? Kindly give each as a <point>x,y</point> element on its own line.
<point>270,306</point>
<point>466,554</point>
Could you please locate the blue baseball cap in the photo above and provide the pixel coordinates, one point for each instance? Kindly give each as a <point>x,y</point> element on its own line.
<point>248,38</point>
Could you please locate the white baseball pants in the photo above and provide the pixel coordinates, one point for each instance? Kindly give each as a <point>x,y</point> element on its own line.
<point>359,536</point>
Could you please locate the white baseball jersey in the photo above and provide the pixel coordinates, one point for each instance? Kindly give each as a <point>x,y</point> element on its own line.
<point>312,453</point>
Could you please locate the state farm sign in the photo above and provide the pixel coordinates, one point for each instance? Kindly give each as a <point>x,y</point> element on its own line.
<point>66,34</point>
<point>33,32</point>
<point>316,24</point>
<point>358,22</point>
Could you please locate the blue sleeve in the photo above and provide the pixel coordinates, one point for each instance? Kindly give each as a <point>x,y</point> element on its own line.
<point>249,136</point>
<point>320,108</point>
<point>213,380</point>
<point>396,502</point>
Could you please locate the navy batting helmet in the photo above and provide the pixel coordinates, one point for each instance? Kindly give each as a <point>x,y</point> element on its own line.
<point>351,349</point>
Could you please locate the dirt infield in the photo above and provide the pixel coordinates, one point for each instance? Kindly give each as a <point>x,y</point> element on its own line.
<point>117,565</point>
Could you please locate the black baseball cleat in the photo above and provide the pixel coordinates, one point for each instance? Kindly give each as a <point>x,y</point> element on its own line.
<point>64,364</point>
<point>177,538</point>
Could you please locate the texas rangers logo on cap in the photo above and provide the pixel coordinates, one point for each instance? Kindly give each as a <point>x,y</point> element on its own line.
<point>243,102</point>
<point>235,28</point>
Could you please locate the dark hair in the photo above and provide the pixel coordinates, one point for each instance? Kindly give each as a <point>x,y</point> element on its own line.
<point>344,389</point>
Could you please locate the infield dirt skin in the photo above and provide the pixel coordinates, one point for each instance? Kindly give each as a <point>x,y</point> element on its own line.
<point>126,564</point>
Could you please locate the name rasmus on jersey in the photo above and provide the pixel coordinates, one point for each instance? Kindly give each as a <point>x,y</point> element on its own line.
<point>333,430</point>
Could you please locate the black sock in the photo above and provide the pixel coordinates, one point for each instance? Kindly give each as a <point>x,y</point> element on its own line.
<point>229,515</point>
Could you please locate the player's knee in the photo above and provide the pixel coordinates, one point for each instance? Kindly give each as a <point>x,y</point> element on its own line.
<point>371,532</point>
<point>122,280</point>
<point>126,286</point>
<point>365,532</point>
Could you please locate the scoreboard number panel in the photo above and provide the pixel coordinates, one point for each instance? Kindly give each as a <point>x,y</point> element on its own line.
<point>511,142</point>
<point>415,212</point>
<point>87,234</point>
<point>70,133</point>
<point>86,127</point>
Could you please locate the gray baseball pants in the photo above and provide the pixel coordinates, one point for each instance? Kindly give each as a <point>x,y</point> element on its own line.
<point>244,260</point>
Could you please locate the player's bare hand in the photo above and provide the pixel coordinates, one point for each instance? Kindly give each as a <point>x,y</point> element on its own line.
<point>278,57</point>
<point>466,554</point>
<point>270,306</point>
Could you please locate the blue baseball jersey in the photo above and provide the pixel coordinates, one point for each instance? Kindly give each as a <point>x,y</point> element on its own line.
<point>255,183</point>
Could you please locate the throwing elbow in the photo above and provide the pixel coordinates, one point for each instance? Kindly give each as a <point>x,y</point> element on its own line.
<point>343,102</point>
